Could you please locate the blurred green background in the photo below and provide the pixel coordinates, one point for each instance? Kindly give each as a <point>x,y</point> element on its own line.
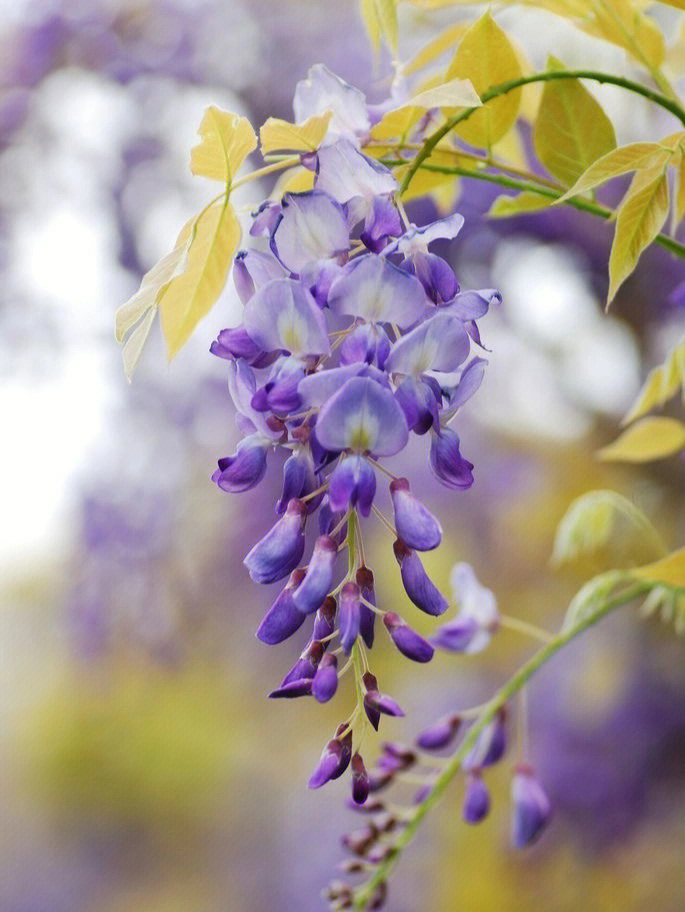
<point>142,766</point>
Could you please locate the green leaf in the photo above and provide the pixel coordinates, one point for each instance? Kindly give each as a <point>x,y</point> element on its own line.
<point>669,571</point>
<point>226,139</point>
<point>571,130</point>
<point>277,135</point>
<point>506,206</point>
<point>662,383</point>
<point>487,58</point>
<point>190,296</point>
<point>380,20</point>
<point>591,597</point>
<point>597,517</point>
<point>639,219</point>
<point>647,439</point>
<point>621,160</point>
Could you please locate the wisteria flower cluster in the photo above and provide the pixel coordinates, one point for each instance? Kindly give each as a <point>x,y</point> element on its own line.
<point>354,336</point>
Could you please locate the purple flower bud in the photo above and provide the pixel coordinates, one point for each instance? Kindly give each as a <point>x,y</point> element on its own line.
<point>370,807</point>
<point>244,470</point>
<point>324,621</point>
<point>478,618</point>
<point>281,549</point>
<point>319,576</point>
<point>436,276</point>
<point>352,482</point>
<point>458,635</point>
<point>401,753</point>
<point>439,735</point>
<point>422,592</point>
<point>447,463</point>
<point>416,526</point>
<point>306,665</point>
<point>379,854</point>
<point>380,895</point>
<point>366,343</point>
<point>477,799</point>
<point>382,222</point>
<point>332,757</point>
<point>360,780</point>
<point>328,521</point>
<point>531,807</point>
<point>298,477</point>
<point>366,616</point>
<point>360,841</point>
<point>420,404</point>
<point>380,703</point>
<point>409,643</point>
<point>380,779</point>
<point>235,343</point>
<point>265,219</point>
<point>325,681</point>
<point>300,687</point>
<point>490,744</point>
<point>349,616</point>
<point>283,618</point>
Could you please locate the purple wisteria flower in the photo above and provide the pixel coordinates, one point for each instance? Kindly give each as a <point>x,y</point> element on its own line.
<point>477,617</point>
<point>354,336</point>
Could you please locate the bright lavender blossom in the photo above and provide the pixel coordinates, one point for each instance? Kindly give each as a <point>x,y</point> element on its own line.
<point>354,336</point>
<point>531,808</point>
<point>477,617</point>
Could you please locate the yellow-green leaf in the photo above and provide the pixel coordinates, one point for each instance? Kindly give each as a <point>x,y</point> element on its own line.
<point>190,297</point>
<point>647,439</point>
<point>669,571</point>
<point>661,384</point>
<point>571,130</point>
<point>679,202</point>
<point>226,139</point>
<point>457,93</point>
<point>632,157</point>
<point>380,20</point>
<point>639,219</point>
<point>445,41</point>
<point>487,58</point>
<point>622,23</point>
<point>139,311</point>
<point>278,135</point>
<point>506,206</point>
<point>294,180</point>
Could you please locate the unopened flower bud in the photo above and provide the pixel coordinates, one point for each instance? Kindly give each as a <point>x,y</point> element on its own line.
<point>409,643</point>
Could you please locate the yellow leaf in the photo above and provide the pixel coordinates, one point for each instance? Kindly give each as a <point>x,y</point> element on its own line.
<point>661,384</point>
<point>633,157</point>
<point>639,219</point>
<point>505,206</point>
<point>648,439</point>
<point>278,135</point>
<point>457,93</point>
<point>139,311</point>
<point>623,24</point>
<point>189,297</point>
<point>669,571</point>
<point>226,139</point>
<point>294,180</point>
<point>487,58</point>
<point>445,41</point>
<point>380,20</point>
<point>571,130</point>
<point>679,203</point>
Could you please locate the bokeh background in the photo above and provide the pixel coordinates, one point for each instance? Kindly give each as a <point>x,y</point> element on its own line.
<point>142,766</point>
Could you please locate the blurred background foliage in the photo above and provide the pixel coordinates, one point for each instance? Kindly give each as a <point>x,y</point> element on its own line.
<point>143,767</point>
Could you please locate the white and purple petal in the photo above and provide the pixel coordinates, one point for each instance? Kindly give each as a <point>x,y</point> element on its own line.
<point>312,227</point>
<point>416,526</point>
<point>379,292</point>
<point>346,174</point>
<point>441,343</point>
<point>246,469</point>
<point>447,463</point>
<point>362,416</point>
<point>352,483</point>
<point>323,91</point>
<point>283,316</point>
<point>281,549</point>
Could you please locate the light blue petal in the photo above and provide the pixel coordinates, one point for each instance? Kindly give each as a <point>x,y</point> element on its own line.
<point>345,173</point>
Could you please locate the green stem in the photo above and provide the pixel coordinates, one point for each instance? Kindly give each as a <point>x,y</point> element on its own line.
<point>513,184</point>
<point>504,88</point>
<point>365,892</point>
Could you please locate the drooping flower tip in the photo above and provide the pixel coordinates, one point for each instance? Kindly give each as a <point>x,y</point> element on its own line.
<point>281,549</point>
<point>318,579</point>
<point>334,760</point>
<point>360,780</point>
<point>283,618</point>
<point>409,643</point>
<point>439,735</point>
<point>531,808</point>
<point>418,586</point>
<point>477,617</point>
<point>477,799</point>
<point>325,680</point>
<point>416,526</point>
